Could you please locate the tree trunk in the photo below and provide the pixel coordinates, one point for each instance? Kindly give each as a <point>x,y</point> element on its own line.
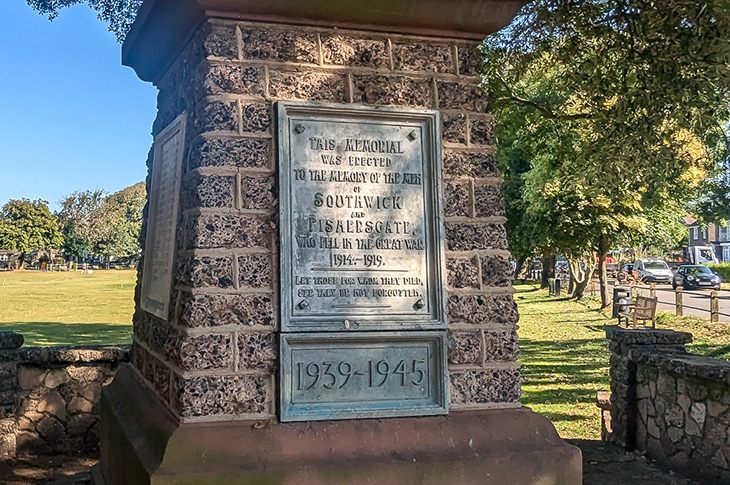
<point>581,276</point>
<point>603,247</point>
<point>548,268</point>
<point>520,269</point>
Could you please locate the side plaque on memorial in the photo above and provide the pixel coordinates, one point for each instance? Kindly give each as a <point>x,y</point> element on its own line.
<point>360,210</point>
<point>162,220</point>
<point>363,374</point>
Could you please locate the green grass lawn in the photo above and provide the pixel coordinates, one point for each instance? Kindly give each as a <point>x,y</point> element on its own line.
<point>564,355</point>
<point>68,308</point>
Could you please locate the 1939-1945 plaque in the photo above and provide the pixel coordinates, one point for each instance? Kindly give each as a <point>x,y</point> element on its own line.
<point>362,264</point>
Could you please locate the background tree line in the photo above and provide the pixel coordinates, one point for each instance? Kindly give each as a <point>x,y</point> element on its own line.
<point>611,119</point>
<point>89,224</point>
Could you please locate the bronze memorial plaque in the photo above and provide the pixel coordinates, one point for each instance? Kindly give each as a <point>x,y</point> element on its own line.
<point>361,251</point>
<point>162,220</point>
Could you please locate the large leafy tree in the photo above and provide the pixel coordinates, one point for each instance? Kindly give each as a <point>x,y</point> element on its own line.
<point>117,223</point>
<point>119,14</point>
<point>28,225</point>
<point>618,108</point>
<point>76,219</point>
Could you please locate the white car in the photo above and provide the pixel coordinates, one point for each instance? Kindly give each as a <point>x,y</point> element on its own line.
<point>653,271</point>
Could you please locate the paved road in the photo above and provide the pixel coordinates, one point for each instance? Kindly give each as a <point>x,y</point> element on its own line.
<point>698,299</point>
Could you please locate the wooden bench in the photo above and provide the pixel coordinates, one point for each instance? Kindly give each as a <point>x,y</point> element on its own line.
<point>642,309</point>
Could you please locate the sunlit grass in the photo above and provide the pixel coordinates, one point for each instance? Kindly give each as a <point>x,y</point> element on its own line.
<point>564,355</point>
<point>68,308</point>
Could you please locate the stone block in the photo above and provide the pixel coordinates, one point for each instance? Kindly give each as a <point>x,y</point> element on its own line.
<point>674,434</point>
<point>219,41</point>
<point>258,193</point>
<point>457,199</point>
<point>50,429</point>
<point>91,392</point>
<point>470,60</point>
<point>462,273</point>
<point>218,310</point>
<point>392,90</point>
<point>453,128</point>
<point>496,271</point>
<point>423,56</point>
<point>161,379</point>
<point>85,373</point>
<point>289,45</point>
<point>482,309</point>
<point>217,116</point>
<point>30,443</point>
<point>341,50</point>
<point>501,346</point>
<point>674,416</point>
<point>255,118</point>
<point>470,164</point>
<point>481,132</point>
<point>306,85</point>
<point>488,201</point>
<point>254,271</point>
<point>215,79</point>
<point>79,424</point>
<point>10,340</point>
<point>212,396</point>
<point>257,350</point>
<point>240,153</point>
<point>206,271</point>
<point>208,191</point>
<point>469,237</point>
<point>697,390</point>
<point>666,386</point>
<point>484,386</point>
<point>8,370</point>
<point>206,352</point>
<point>30,377</point>
<point>465,348</point>
<point>460,95</point>
<point>55,378</point>
<point>54,405</point>
<point>206,231</point>
<point>80,405</point>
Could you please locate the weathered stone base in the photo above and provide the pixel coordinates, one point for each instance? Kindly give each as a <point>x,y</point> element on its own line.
<point>142,443</point>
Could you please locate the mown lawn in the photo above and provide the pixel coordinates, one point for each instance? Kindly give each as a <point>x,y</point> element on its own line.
<point>564,352</point>
<point>68,308</point>
<point>564,355</point>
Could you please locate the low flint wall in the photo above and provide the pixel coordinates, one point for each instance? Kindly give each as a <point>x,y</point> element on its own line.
<point>49,396</point>
<point>673,405</point>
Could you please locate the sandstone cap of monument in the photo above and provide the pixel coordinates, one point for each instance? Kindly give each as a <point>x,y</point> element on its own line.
<point>163,26</point>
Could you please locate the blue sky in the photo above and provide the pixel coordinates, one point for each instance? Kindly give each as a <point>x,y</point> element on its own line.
<point>71,116</point>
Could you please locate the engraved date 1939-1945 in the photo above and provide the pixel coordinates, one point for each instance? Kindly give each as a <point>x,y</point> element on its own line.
<point>337,375</point>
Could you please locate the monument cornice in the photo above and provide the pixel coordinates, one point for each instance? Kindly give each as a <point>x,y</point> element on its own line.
<point>162,26</point>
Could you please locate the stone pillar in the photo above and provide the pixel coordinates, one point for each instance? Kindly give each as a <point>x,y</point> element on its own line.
<point>205,366</point>
<point>624,411</point>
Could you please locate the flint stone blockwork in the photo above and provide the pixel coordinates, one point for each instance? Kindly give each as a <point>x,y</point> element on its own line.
<point>56,393</point>
<point>227,80</point>
<point>670,404</point>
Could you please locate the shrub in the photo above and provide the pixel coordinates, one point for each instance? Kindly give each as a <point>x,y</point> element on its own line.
<point>723,269</point>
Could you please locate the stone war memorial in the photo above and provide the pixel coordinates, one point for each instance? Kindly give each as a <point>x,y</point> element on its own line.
<point>325,288</point>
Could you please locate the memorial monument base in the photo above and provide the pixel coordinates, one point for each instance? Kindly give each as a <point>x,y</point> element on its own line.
<point>143,443</point>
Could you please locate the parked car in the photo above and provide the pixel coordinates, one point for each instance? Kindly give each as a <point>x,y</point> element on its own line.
<point>694,276</point>
<point>653,271</point>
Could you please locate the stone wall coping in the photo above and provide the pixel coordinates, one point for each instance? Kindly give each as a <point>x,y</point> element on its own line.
<point>74,355</point>
<point>10,340</point>
<point>689,365</point>
<point>162,27</point>
<point>647,336</point>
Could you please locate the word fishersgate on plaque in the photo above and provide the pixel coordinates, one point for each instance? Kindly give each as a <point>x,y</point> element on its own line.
<point>362,292</point>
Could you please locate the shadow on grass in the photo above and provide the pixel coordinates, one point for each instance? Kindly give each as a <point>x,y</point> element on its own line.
<point>708,350</point>
<point>563,371</point>
<point>43,334</point>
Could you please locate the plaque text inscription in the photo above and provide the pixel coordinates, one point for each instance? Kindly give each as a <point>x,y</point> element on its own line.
<point>360,219</point>
<point>162,219</point>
